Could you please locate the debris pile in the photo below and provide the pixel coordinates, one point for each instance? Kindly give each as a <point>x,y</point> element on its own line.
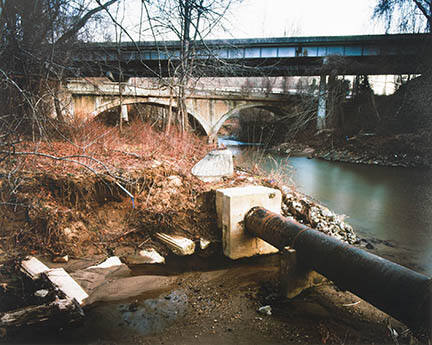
<point>301,208</point>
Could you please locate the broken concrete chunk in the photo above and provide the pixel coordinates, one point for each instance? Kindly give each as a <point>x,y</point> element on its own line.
<point>64,282</point>
<point>178,244</point>
<point>151,256</point>
<point>110,262</point>
<point>32,267</point>
<point>60,259</point>
<point>215,165</point>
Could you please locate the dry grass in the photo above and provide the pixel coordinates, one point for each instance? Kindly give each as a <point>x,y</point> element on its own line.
<point>275,171</point>
<point>103,148</point>
<point>64,196</point>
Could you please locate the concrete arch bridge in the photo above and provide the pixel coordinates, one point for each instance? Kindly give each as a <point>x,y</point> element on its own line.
<point>210,108</point>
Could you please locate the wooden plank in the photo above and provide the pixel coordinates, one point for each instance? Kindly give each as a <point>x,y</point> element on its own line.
<point>178,244</point>
<point>65,283</point>
<point>32,267</point>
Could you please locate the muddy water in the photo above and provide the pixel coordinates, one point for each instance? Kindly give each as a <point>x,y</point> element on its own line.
<point>382,203</point>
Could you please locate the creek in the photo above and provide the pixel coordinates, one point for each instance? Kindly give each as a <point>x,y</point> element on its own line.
<point>384,204</point>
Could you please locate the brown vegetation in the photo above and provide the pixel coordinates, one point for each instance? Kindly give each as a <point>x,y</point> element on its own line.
<point>74,196</point>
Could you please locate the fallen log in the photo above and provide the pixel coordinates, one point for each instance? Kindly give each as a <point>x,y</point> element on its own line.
<point>59,310</point>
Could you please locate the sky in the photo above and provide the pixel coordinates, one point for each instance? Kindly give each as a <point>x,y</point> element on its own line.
<point>275,18</point>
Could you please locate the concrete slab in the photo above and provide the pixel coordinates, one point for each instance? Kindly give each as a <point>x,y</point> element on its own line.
<point>232,204</point>
<point>33,267</point>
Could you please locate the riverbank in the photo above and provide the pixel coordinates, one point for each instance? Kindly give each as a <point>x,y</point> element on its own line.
<point>64,211</point>
<point>401,150</point>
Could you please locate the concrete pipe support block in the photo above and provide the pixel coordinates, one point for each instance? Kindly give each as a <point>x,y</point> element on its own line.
<point>232,204</point>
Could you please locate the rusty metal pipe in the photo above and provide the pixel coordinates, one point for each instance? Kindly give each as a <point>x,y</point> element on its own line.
<point>396,290</point>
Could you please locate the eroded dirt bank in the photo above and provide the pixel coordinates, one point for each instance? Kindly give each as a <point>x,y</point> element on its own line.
<point>54,211</point>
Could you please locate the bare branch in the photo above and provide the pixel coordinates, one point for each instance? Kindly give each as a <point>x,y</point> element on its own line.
<point>83,21</point>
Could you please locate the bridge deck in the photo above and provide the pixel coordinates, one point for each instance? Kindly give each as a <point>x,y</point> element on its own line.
<point>370,54</point>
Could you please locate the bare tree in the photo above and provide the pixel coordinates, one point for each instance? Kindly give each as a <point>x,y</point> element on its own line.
<point>36,38</point>
<point>190,22</point>
<point>405,15</point>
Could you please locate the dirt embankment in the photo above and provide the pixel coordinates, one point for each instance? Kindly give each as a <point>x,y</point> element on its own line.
<point>53,210</point>
<point>88,216</point>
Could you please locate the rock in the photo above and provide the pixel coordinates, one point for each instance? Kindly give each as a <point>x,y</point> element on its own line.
<point>215,165</point>
<point>155,163</point>
<point>369,246</point>
<point>297,206</point>
<point>179,245</point>
<point>60,259</point>
<point>266,310</point>
<point>327,213</point>
<point>41,293</point>
<point>151,256</point>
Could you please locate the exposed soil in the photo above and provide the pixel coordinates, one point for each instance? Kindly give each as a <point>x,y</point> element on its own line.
<point>221,306</point>
<point>64,209</point>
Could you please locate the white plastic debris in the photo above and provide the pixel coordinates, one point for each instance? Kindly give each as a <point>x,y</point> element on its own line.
<point>266,310</point>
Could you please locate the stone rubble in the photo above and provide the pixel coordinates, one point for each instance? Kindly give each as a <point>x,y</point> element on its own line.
<point>302,209</point>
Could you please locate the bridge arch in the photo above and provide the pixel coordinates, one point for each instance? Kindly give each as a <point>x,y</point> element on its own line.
<point>160,102</point>
<point>226,116</point>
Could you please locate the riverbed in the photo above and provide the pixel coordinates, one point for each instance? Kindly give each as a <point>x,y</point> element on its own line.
<point>392,207</point>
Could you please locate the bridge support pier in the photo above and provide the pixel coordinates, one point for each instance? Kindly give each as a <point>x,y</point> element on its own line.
<point>322,103</point>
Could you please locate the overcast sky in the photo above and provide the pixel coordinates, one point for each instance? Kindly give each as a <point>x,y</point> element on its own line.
<point>274,18</point>
<point>267,18</point>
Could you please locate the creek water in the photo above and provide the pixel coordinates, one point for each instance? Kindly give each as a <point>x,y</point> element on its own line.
<point>384,204</point>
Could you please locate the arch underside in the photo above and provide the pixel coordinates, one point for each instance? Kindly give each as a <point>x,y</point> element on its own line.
<point>271,108</point>
<point>152,101</point>
<point>211,129</point>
